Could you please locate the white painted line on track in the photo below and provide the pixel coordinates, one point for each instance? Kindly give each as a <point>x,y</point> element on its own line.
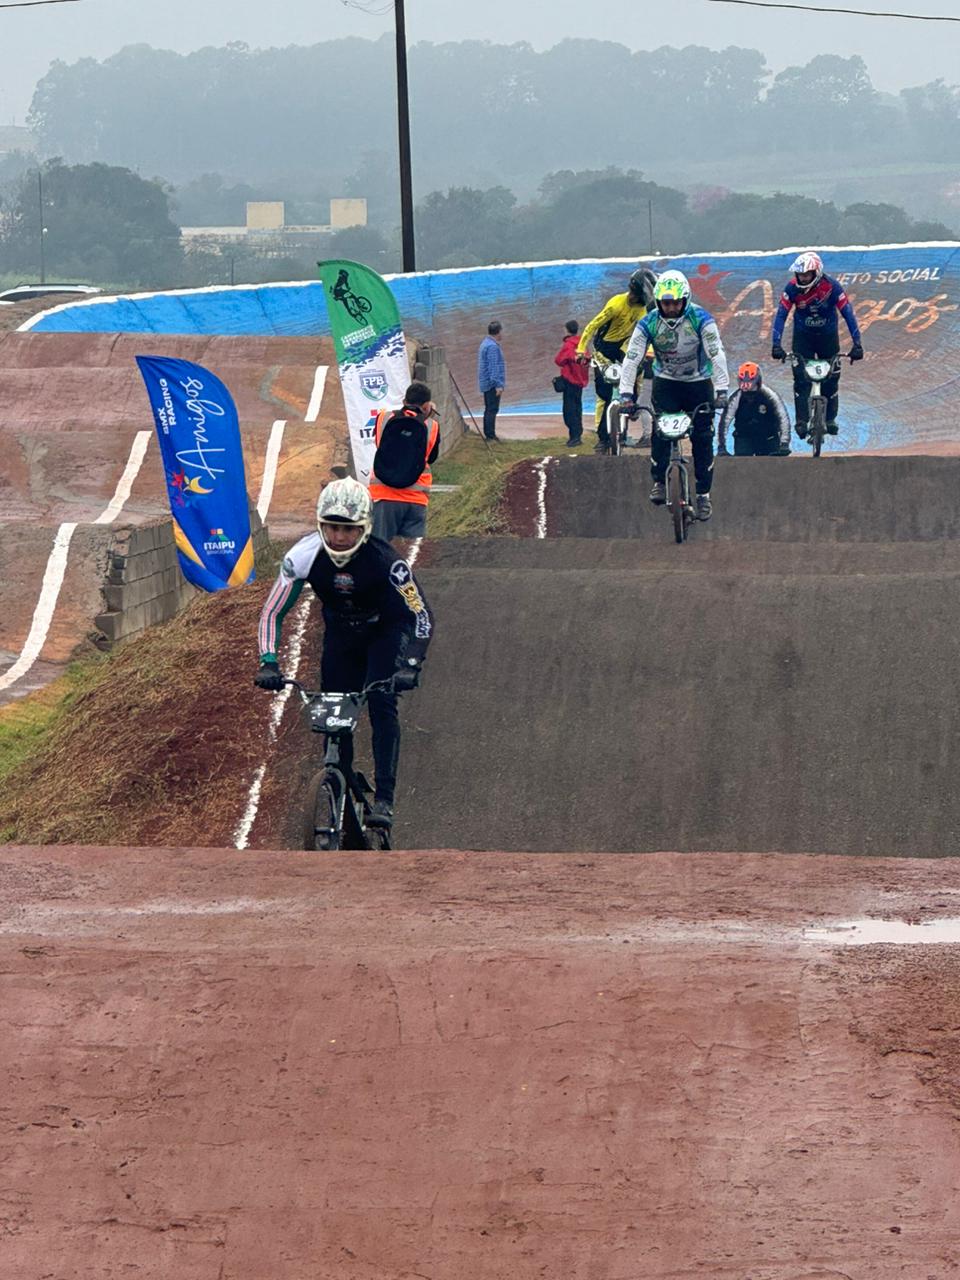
<point>291,667</point>
<point>316,399</point>
<point>541,470</point>
<point>56,568</point>
<point>43,613</point>
<point>270,469</point>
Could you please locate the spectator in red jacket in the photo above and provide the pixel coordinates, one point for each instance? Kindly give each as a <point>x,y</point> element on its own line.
<point>574,375</point>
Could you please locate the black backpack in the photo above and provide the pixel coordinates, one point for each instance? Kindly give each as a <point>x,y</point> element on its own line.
<point>402,452</point>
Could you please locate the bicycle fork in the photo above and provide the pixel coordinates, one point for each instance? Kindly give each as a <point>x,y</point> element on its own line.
<point>678,480</point>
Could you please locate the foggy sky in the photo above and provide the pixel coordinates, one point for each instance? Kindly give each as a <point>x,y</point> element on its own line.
<point>897,53</point>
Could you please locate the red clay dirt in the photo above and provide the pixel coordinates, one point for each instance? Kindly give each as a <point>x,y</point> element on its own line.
<point>266,1067</point>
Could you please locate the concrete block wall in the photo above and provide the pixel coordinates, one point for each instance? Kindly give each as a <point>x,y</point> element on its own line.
<point>430,366</point>
<point>144,585</point>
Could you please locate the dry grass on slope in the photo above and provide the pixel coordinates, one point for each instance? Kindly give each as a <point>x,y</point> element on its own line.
<point>158,745</point>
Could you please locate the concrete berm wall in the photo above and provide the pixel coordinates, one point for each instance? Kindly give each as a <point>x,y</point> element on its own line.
<point>144,584</point>
<point>430,366</point>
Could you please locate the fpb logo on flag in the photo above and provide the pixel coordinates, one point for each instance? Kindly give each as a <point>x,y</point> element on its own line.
<point>373,383</point>
<point>199,437</point>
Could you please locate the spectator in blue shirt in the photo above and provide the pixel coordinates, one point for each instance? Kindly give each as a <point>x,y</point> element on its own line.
<point>491,377</point>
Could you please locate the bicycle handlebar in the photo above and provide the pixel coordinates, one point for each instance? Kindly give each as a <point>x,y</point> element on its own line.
<point>835,361</point>
<point>634,410</point>
<point>361,695</point>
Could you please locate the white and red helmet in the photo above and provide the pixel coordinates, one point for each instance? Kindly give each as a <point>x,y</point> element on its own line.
<point>802,265</point>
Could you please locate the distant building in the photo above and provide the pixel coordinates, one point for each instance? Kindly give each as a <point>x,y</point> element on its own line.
<point>14,137</point>
<point>267,230</point>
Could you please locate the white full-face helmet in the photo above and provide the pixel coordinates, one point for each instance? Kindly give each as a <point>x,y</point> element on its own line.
<point>345,502</point>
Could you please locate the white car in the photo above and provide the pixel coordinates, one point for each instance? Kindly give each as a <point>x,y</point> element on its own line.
<point>27,292</point>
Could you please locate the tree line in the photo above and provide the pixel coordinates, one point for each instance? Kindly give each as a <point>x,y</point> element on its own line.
<point>320,119</point>
<point>107,225</point>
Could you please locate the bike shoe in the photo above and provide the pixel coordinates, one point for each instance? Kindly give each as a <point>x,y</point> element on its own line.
<point>381,815</point>
<point>658,494</point>
<point>704,506</point>
<point>601,447</point>
<point>801,430</point>
<point>831,428</point>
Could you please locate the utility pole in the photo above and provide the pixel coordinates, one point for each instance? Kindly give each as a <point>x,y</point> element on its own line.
<point>403,126</point>
<point>43,272</point>
<point>650,222</point>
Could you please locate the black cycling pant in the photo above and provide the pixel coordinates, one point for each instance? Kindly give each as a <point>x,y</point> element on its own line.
<point>670,396</point>
<point>755,446</point>
<point>605,390</point>
<point>822,346</point>
<point>572,409</point>
<point>352,659</point>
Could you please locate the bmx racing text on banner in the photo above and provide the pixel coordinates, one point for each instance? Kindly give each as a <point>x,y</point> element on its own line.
<point>371,353</point>
<point>203,466</point>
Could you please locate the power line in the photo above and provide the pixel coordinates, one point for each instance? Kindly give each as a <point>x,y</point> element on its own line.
<point>816,8</point>
<point>374,8</point>
<point>28,4</point>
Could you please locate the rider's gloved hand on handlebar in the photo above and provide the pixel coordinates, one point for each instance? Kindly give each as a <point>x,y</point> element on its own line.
<point>777,352</point>
<point>407,676</point>
<point>721,399</point>
<point>628,406</point>
<point>269,677</point>
<point>856,352</point>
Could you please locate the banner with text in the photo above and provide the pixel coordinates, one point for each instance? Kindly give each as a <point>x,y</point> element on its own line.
<point>371,353</point>
<point>202,455</point>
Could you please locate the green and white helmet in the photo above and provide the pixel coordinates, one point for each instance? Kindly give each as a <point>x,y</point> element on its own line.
<point>673,286</point>
<point>345,502</point>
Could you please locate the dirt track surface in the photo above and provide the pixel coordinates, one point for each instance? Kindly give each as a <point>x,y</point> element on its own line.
<point>784,681</point>
<point>855,499</point>
<point>235,1067</point>
<point>621,709</point>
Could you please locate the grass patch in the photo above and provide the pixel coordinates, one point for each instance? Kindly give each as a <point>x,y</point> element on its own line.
<point>26,724</point>
<point>153,743</point>
<point>481,471</point>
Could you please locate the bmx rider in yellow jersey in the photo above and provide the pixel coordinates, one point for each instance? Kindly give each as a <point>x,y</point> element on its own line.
<point>610,331</point>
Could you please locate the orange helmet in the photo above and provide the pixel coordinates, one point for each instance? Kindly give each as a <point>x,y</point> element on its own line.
<point>748,376</point>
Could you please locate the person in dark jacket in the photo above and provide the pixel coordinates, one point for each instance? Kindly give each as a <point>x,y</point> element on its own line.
<point>817,300</point>
<point>376,623</point>
<point>574,374</point>
<point>761,427</point>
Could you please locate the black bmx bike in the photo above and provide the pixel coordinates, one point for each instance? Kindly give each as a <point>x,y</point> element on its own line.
<point>618,427</point>
<point>336,810</point>
<point>676,427</point>
<point>356,305</point>
<point>815,373</point>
